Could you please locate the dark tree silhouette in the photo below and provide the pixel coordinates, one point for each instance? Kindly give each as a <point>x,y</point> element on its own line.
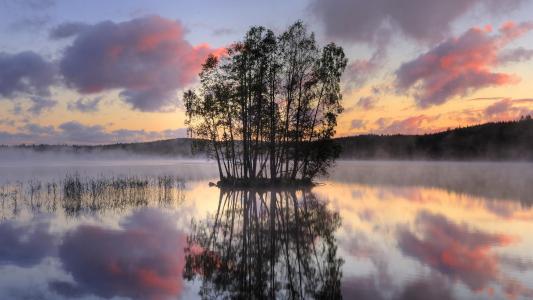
<point>509,140</point>
<point>269,107</point>
<point>266,244</point>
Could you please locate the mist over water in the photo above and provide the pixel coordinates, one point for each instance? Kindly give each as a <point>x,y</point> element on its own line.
<point>27,164</point>
<point>152,228</point>
<point>495,180</point>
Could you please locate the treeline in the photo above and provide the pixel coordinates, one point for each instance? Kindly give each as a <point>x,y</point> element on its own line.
<point>491,141</point>
<point>180,147</point>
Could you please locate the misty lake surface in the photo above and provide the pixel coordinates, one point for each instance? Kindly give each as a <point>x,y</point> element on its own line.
<point>154,229</point>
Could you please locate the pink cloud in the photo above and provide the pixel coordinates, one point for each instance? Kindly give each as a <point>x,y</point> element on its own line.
<point>411,125</point>
<point>459,66</point>
<point>360,71</point>
<point>505,110</point>
<point>148,59</point>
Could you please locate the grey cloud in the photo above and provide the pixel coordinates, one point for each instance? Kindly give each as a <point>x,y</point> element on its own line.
<point>25,73</point>
<point>360,71</point>
<point>425,20</point>
<point>33,23</point>
<point>67,29</point>
<point>157,98</point>
<point>224,31</point>
<point>434,287</point>
<point>73,132</point>
<point>357,124</point>
<point>25,245</point>
<point>17,109</point>
<point>40,105</point>
<point>102,264</point>
<point>515,55</point>
<point>38,4</point>
<point>367,103</point>
<point>7,122</point>
<point>85,105</point>
<point>36,129</point>
<point>8,138</point>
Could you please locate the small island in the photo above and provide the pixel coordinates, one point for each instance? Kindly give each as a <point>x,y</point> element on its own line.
<point>269,108</point>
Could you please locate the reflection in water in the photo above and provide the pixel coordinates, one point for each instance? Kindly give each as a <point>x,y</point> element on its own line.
<point>460,252</point>
<point>25,245</point>
<point>75,195</point>
<point>447,245</point>
<point>266,244</point>
<point>406,233</point>
<point>143,259</point>
<point>482,179</point>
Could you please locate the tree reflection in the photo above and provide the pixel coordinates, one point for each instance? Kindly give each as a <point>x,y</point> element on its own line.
<point>266,244</point>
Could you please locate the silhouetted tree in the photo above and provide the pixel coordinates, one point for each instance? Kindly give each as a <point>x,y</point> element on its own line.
<point>269,106</point>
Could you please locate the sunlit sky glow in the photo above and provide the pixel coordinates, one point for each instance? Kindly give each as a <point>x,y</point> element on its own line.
<point>89,72</point>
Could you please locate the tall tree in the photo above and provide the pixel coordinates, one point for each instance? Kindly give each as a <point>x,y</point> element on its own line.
<point>269,106</point>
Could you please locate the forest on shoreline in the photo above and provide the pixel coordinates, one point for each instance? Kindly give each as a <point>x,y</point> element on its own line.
<point>512,140</point>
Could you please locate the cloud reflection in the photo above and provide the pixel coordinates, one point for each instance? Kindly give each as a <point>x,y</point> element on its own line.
<point>25,245</point>
<point>142,260</point>
<point>457,251</point>
<point>434,287</point>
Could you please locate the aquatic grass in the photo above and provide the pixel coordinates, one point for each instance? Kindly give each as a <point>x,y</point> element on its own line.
<point>77,195</point>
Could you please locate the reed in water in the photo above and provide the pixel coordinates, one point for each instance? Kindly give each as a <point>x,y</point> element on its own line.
<point>77,195</point>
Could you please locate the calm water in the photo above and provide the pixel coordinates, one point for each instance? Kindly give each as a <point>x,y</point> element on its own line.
<point>154,229</point>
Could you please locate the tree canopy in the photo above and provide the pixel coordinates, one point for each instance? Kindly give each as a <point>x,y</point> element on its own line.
<point>269,106</point>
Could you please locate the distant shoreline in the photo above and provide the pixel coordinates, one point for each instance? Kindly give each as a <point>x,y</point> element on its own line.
<point>503,141</point>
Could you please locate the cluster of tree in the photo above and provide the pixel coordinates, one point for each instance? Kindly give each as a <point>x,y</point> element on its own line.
<point>269,106</point>
<point>266,245</point>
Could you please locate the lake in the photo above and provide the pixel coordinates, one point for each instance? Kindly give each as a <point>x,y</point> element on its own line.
<point>155,229</point>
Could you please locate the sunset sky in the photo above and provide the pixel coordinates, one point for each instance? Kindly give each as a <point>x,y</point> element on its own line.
<point>89,72</point>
